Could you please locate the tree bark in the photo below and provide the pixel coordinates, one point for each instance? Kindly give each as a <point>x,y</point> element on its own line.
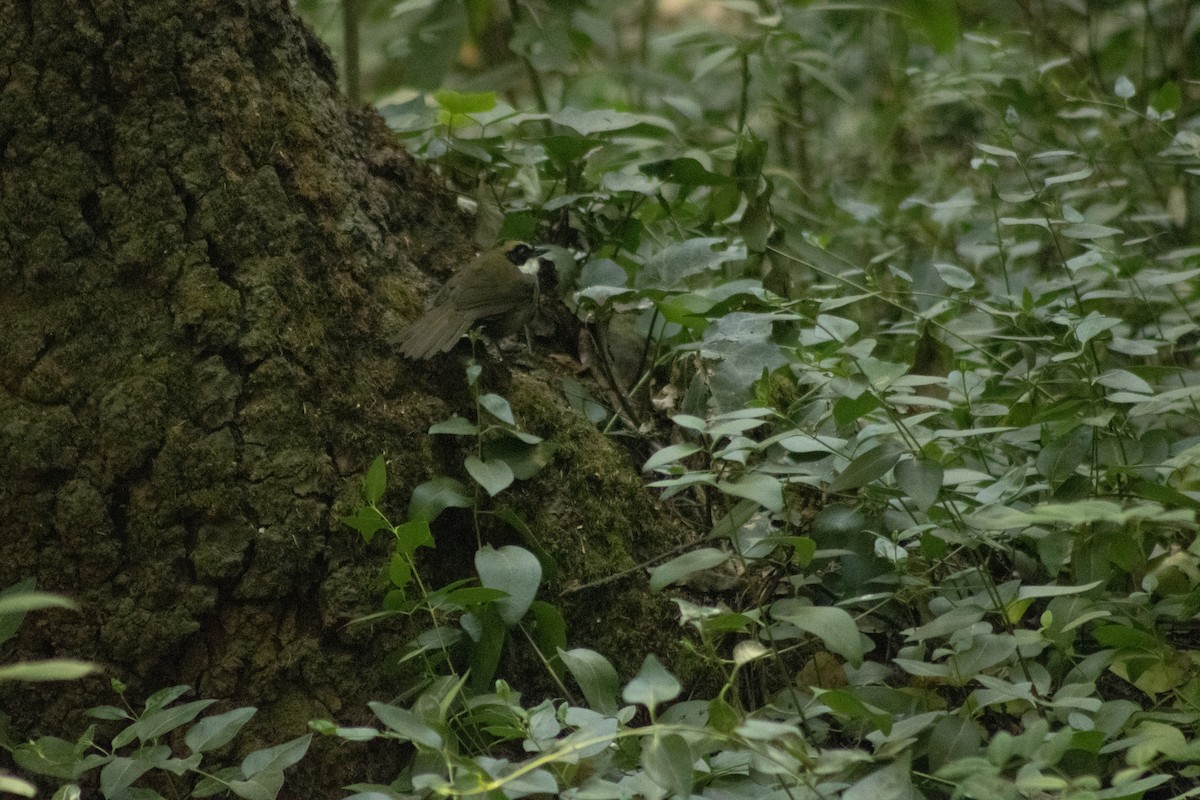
<point>202,255</point>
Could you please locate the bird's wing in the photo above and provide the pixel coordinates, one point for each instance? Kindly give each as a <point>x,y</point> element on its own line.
<point>436,332</point>
<point>480,299</point>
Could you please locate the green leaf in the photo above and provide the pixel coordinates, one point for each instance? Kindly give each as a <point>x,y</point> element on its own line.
<point>667,760</point>
<point>375,481</point>
<point>1166,98</point>
<point>156,723</point>
<point>763,489</point>
<point>1059,459</point>
<point>120,773</point>
<point>264,785</point>
<point>11,785</point>
<point>921,479</point>
<point>488,639</point>
<point>652,685</point>
<point>604,120</point>
<point>368,521</point>
<point>470,103</point>
<point>10,620</point>
<point>550,629</point>
<point>687,171</point>
<point>668,268</point>
<point>405,723</point>
<point>893,781</point>
<point>680,567</point>
<point>24,601</point>
<point>413,534</point>
<point>510,569</point>
<point>525,458</point>
<point>595,676</point>
<point>869,466</point>
<point>938,19</point>
<point>848,705</point>
<point>954,277</point>
<point>55,669</point>
<point>277,758</point>
<point>952,738</point>
<point>493,476</point>
<point>433,497</point>
<point>498,407</point>
<point>833,626</point>
<point>670,454</point>
<point>455,426</point>
<point>217,731</point>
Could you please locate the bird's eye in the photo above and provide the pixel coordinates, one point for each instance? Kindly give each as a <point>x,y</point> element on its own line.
<point>520,253</point>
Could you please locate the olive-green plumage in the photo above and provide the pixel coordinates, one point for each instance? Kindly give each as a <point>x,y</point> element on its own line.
<point>498,291</point>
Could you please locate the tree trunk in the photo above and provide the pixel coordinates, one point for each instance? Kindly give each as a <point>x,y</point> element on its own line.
<point>203,253</point>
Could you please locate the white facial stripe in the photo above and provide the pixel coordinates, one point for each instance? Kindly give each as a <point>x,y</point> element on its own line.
<point>531,266</point>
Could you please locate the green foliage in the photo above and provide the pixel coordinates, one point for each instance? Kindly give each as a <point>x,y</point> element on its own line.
<point>141,752</point>
<point>912,290</point>
<point>15,602</point>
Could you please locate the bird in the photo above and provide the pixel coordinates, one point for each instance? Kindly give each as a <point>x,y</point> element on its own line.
<point>497,290</point>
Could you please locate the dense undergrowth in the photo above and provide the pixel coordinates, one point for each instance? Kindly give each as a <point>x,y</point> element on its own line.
<point>906,299</point>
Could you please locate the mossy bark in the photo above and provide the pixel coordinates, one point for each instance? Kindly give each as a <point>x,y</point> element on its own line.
<point>202,255</point>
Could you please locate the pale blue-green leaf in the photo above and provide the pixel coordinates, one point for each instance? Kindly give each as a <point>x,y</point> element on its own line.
<point>55,669</point>
<point>604,120</point>
<point>1092,325</point>
<point>510,569</point>
<point>833,626</point>
<point>493,476</point>
<point>1087,230</point>
<point>668,761</point>
<point>1040,222</point>
<point>1059,459</point>
<point>867,467</point>
<point>277,758</point>
<point>216,731</point>
<point>1026,592</point>
<point>670,455</point>
<point>1070,177</point>
<point>954,276</point>
<point>921,479</point>
<point>986,650</point>
<point>455,426</point>
<point>1124,88</point>
<point>954,620</point>
<point>262,786</point>
<point>997,151</point>
<point>922,669</point>
<point>681,567</point>
<point>156,723</point>
<point>652,685</point>
<point>1126,381</point>
<point>669,267</point>
<point>498,407</point>
<point>595,676</point>
<point>1080,512</point>
<point>434,496</point>
<point>12,785</point>
<point>763,489</point>
<point>836,329</point>
<point>953,737</point>
<point>893,782</point>
<point>405,723</point>
<point>23,601</point>
<point>120,773</point>
<point>690,422</point>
